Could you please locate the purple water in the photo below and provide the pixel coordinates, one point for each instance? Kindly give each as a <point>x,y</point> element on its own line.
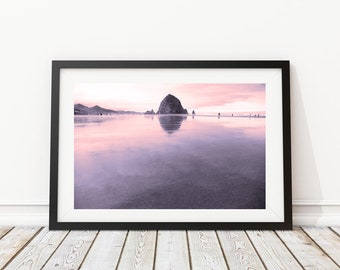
<point>169,162</point>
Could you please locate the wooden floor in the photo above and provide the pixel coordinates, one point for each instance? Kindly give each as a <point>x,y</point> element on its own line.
<point>39,248</point>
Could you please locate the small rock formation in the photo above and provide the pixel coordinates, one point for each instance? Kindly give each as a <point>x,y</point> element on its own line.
<point>193,112</point>
<point>150,112</point>
<point>171,105</point>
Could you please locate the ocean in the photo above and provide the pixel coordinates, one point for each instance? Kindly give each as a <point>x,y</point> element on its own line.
<point>137,161</point>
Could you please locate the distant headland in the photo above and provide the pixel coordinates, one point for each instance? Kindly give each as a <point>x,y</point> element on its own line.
<point>80,109</point>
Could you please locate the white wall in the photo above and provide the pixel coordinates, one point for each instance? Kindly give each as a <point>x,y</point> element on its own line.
<point>32,33</point>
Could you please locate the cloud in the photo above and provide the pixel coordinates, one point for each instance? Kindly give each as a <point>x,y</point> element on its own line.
<point>206,95</point>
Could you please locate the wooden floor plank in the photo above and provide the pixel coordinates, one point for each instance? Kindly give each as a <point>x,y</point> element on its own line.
<point>205,250</point>
<point>306,251</point>
<point>139,250</point>
<point>327,240</point>
<point>30,248</point>
<point>105,251</point>
<point>172,251</point>
<point>273,252</point>
<point>13,242</point>
<point>72,250</point>
<point>239,251</point>
<point>336,230</point>
<point>38,251</point>
<point>4,230</point>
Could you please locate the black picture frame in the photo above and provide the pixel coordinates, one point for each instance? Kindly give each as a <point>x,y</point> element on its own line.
<point>56,196</point>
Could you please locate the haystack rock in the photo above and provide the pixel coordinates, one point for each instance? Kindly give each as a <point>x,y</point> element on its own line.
<point>171,105</point>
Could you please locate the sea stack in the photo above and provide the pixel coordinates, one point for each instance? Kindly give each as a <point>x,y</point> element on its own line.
<point>171,105</point>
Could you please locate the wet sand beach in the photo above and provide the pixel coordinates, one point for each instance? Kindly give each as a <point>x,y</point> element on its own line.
<point>169,162</point>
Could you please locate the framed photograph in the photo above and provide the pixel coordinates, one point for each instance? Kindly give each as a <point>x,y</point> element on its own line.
<point>170,145</point>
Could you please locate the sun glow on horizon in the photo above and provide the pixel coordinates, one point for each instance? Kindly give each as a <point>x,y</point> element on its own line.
<point>202,97</point>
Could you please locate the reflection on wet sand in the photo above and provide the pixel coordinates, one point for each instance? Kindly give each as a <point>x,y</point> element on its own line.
<point>171,123</point>
<point>137,162</point>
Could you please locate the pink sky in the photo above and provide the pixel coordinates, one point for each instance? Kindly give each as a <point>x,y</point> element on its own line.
<point>203,98</point>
